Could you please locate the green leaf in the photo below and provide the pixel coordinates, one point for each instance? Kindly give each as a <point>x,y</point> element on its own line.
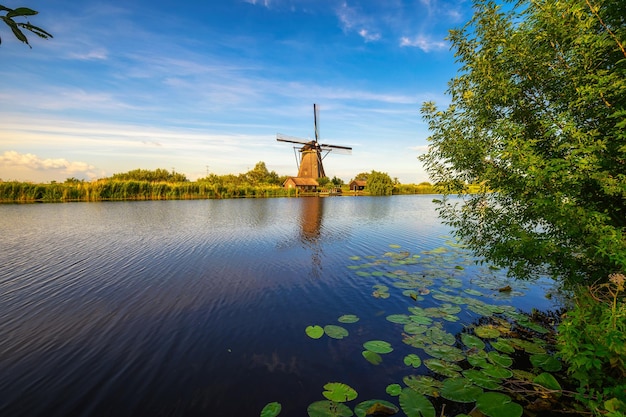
<point>348,318</point>
<point>314,332</point>
<point>481,379</point>
<point>546,362</point>
<point>443,368</point>
<point>372,357</point>
<point>339,392</point>
<point>487,332</point>
<point>500,359</point>
<point>415,405</point>
<point>328,409</point>
<point>393,389</point>
<point>423,384</point>
<point>495,404</point>
<point>472,341</point>
<point>375,407</point>
<point>21,11</point>
<point>271,410</point>
<point>399,318</point>
<point>378,346</point>
<point>336,332</point>
<point>548,381</point>
<point>461,390</point>
<point>412,360</point>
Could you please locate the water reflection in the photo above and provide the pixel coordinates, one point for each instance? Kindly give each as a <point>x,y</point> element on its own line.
<point>311,214</point>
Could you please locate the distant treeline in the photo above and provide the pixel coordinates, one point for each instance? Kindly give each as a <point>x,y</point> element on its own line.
<point>160,184</point>
<point>109,189</point>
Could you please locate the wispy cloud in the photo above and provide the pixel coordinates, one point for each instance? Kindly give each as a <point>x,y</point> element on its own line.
<point>424,43</point>
<point>353,20</point>
<point>31,161</point>
<point>96,54</point>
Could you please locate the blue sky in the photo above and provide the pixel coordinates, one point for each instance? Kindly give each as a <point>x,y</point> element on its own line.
<point>186,85</point>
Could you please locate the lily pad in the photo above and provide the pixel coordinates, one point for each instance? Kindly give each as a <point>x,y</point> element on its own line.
<point>497,371</point>
<point>414,328</point>
<point>487,332</point>
<point>412,360</point>
<point>348,318</point>
<point>423,384</point>
<point>271,410</point>
<point>378,346</point>
<point>503,346</point>
<point>314,332</point>
<point>499,359</point>
<point>443,368</point>
<point>339,392</point>
<point>336,332</point>
<point>461,390</point>
<point>329,409</point>
<point>375,407</point>
<point>421,320</point>
<point>546,362</point>
<point>399,318</point>
<point>478,358</point>
<point>495,404</point>
<point>448,353</point>
<point>415,405</point>
<point>393,389</point>
<point>472,341</point>
<point>372,357</point>
<point>481,379</point>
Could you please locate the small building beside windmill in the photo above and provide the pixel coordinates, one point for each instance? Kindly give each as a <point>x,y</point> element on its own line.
<point>357,185</point>
<point>301,183</point>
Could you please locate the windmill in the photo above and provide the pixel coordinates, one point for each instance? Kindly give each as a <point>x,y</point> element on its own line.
<point>312,152</point>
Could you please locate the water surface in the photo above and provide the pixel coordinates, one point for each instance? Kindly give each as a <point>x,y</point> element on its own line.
<point>196,308</point>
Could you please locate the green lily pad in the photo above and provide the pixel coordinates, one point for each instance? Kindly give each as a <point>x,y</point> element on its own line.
<point>421,320</point>
<point>355,258</point>
<point>472,341</point>
<point>478,358</point>
<point>393,389</point>
<point>395,246</point>
<point>443,368</point>
<point>503,346</point>
<point>499,359</point>
<point>336,332</point>
<point>314,332</point>
<point>414,328</point>
<point>472,292</point>
<point>328,409</point>
<point>399,318</point>
<point>440,337</point>
<point>363,273</point>
<point>339,392</point>
<point>481,379</point>
<point>548,381</point>
<point>375,407</point>
<point>448,353</point>
<point>461,390</point>
<point>495,404</point>
<point>372,357</point>
<point>415,405</point>
<point>546,362</point>
<point>412,360</point>
<point>423,384</point>
<point>528,346</point>
<point>378,346</point>
<point>487,332</point>
<point>271,410</point>
<point>348,318</point>
<point>497,371</point>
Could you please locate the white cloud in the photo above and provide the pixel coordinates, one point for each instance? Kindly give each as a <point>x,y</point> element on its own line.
<point>423,43</point>
<point>31,161</point>
<point>369,37</point>
<point>92,55</point>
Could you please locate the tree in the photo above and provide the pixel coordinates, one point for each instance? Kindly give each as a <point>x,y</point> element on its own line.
<point>538,118</point>
<point>16,27</point>
<point>260,175</point>
<point>379,183</point>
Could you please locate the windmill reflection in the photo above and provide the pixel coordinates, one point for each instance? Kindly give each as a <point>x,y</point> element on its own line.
<point>312,209</point>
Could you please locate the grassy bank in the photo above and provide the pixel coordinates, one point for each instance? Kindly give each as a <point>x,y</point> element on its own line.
<point>113,189</point>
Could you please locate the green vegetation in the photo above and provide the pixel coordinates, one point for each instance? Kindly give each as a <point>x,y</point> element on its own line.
<point>538,119</point>
<point>16,27</point>
<point>161,184</point>
<point>501,363</point>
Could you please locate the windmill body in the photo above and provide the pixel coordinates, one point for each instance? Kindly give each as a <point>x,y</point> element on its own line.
<point>312,153</point>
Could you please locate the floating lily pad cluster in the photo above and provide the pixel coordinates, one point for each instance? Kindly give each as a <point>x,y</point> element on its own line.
<point>474,366</point>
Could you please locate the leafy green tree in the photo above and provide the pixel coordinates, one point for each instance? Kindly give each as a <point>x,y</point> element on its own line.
<point>379,183</point>
<point>158,175</point>
<point>261,175</point>
<point>538,119</point>
<point>362,176</point>
<point>16,27</point>
<point>337,182</point>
